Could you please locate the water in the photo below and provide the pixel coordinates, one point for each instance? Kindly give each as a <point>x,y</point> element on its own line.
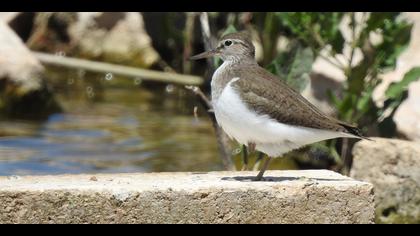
<point>109,125</point>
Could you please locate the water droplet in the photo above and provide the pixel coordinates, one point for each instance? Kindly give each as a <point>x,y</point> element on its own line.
<point>60,54</point>
<point>14,177</point>
<point>81,73</point>
<point>109,76</point>
<point>236,151</point>
<point>171,42</point>
<point>91,94</point>
<point>170,88</point>
<point>137,81</point>
<point>70,81</point>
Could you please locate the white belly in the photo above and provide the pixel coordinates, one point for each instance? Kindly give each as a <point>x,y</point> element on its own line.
<point>270,136</point>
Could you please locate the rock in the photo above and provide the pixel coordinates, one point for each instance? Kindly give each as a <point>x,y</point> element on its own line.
<point>16,62</point>
<point>318,89</point>
<point>392,166</point>
<point>106,36</point>
<point>22,87</point>
<point>311,196</point>
<point>8,16</point>
<point>20,22</point>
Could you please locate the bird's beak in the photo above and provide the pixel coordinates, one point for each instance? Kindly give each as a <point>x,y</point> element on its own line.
<point>205,54</point>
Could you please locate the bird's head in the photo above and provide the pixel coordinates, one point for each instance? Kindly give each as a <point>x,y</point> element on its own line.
<point>231,47</point>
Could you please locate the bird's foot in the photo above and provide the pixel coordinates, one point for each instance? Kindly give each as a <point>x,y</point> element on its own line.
<point>260,175</point>
<point>257,178</point>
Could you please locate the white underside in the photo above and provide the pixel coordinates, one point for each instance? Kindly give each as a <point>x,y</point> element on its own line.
<point>271,137</point>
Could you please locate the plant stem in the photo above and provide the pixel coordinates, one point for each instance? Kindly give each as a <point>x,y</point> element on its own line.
<point>197,91</point>
<point>188,40</point>
<point>103,67</point>
<point>332,60</point>
<point>339,66</point>
<point>245,158</point>
<point>222,139</point>
<point>353,43</point>
<point>267,39</point>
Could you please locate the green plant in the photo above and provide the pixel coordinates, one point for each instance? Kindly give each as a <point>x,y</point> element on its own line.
<point>294,65</point>
<point>321,33</point>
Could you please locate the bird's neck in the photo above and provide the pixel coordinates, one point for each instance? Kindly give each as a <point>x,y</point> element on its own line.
<point>226,72</point>
<point>236,60</point>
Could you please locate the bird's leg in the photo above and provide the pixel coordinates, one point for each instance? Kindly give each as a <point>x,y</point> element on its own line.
<point>251,147</point>
<point>244,157</point>
<point>265,166</point>
<point>258,160</point>
<point>245,153</point>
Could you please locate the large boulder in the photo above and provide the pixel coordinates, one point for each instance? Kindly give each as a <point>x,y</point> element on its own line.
<point>23,92</point>
<point>8,16</point>
<point>117,37</point>
<point>392,166</point>
<point>16,62</point>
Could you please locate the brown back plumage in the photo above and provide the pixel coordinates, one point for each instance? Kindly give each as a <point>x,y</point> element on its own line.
<point>267,94</point>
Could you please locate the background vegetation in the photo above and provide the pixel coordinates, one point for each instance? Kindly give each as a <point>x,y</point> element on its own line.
<point>377,38</point>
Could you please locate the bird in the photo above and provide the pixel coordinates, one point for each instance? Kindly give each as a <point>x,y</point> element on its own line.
<point>258,109</point>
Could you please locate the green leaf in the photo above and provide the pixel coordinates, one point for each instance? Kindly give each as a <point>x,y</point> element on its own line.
<point>337,43</point>
<point>294,66</point>
<point>396,37</point>
<point>314,28</point>
<point>356,80</point>
<point>229,29</point>
<point>377,20</point>
<point>334,37</point>
<point>397,93</point>
<point>298,76</point>
<point>333,98</point>
<point>395,90</point>
<point>346,107</point>
<point>363,102</point>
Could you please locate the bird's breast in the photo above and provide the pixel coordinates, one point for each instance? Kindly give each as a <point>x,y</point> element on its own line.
<point>237,120</point>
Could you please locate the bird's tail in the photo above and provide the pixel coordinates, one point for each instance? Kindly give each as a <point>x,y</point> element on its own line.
<point>353,130</point>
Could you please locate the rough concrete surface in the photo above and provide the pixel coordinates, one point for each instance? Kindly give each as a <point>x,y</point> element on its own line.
<point>392,166</point>
<point>312,196</point>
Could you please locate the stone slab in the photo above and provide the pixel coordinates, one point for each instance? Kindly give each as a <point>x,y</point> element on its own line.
<point>310,196</point>
<point>392,166</point>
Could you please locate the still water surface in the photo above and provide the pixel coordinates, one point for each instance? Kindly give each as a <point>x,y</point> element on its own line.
<point>110,125</point>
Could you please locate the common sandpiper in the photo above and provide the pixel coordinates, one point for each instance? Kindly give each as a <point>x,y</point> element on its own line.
<point>259,110</point>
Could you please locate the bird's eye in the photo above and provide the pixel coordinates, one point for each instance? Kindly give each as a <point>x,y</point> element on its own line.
<point>228,43</point>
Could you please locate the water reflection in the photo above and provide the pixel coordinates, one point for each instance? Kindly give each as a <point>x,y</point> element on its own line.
<point>124,129</point>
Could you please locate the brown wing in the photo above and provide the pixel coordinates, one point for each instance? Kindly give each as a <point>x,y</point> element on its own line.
<point>277,100</point>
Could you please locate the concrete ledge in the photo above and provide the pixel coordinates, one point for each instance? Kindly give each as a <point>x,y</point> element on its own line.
<point>312,196</point>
